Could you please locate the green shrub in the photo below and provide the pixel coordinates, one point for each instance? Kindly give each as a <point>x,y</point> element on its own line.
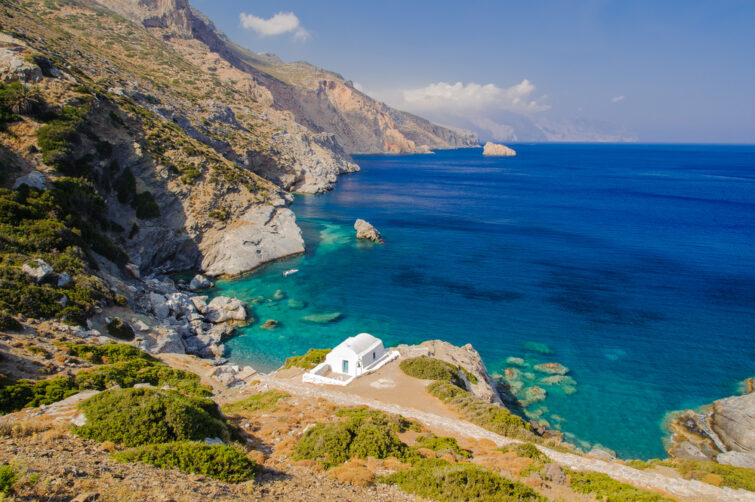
<point>225,463</point>
<point>8,478</point>
<point>107,353</point>
<point>445,482</point>
<point>8,94</point>
<point>442,444</point>
<point>136,417</point>
<point>429,368</point>
<point>360,415</point>
<point>312,358</point>
<point>120,330</point>
<point>258,402</point>
<point>472,379</point>
<point>125,186</point>
<point>221,214</point>
<point>57,139</point>
<point>8,323</point>
<point>327,443</point>
<point>487,415</point>
<point>145,206</point>
<point>604,488</point>
<point>529,450</point>
<point>364,433</point>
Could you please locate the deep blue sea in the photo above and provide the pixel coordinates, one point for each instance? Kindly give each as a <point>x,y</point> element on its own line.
<point>632,265</point>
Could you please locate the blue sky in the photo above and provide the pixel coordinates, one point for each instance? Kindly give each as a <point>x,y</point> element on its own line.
<point>681,71</point>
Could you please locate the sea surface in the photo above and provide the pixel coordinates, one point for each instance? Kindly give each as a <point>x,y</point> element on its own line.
<point>632,265</point>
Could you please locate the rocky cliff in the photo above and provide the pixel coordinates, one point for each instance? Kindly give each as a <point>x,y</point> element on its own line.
<point>320,100</point>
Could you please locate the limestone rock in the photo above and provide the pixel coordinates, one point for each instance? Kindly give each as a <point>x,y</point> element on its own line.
<point>200,303</point>
<point>261,235</point>
<point>200,282</point>
<point>496,150</point>
<point>159,305</point>
<point>223,309</point>
<point>737,459</point>
<point>13,67</point>
<point>34,179</point>
<point>64,280</point>
<point>38,270</point>
<point>133,270</point>
<point>554,473</point>
<point>366,231</point>
<point>733,419</point>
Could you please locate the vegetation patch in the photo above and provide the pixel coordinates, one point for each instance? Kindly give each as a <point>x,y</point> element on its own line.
<point>312,358</point>
<point>442,481</point>
<point>487,415</point>
<point>225,463</point>
<point>8,478</point>
<point>128,367</point>
<point>442,445</point>
<point>258,402</point>
<point>429,368</point>
<point>145,206</point>
<point>396,423</point>
<point>603,487</point>
<point>707,472</point>
<point>57,139</point>
<point>135,417</point>
<point>361,435</point>
<point>8,323</point>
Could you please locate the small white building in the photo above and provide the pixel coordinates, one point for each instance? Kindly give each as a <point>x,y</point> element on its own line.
<point>353,357</point>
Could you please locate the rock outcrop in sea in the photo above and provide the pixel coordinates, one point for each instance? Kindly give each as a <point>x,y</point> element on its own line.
<point>366,231</point>
<point>496,150</point>
<point>723,432</point>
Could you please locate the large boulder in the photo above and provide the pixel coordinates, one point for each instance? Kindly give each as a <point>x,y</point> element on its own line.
<point>34,179</point>
<point>366,231</point>
<point>224,309</point>
<point>38,270</point>
<point>200,282</point>
<point>13,67</point>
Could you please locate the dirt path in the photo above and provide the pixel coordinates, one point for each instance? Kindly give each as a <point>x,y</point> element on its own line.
<point>685,489</point>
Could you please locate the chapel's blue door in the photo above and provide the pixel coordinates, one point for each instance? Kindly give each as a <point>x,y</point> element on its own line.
<point>345,366</point>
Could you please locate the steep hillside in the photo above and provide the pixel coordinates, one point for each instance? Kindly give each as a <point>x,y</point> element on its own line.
<point>320,100</point>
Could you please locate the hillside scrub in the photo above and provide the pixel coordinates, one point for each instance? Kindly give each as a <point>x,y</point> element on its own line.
<point>257,402</point>
<point>225,463</point>
<point>707,472</point>
<point>62,226</point>
<point>442,481</point>
<point>129,367</point>
<point>312,358</point>
<point>429,368</point>
<point>120,330</point>
<point>135,417</point>
<point>487,415</point>
<point>603,487</point>
<point>442,445</point>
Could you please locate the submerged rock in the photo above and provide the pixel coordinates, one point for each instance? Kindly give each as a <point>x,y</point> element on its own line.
<point>270,324</point>
<point>538,347</point>
<point>366,231</point>
<point>296,304</point>
<point>279,295</point>
<point>558,380</point>
<point>515,361</point>
<point>322,318</point>
<point>552,368</point>
<point>534,394</point>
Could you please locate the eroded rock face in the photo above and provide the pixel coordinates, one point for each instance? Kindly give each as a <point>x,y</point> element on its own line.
<point>366,231</point>
<point>466,357</point>
<point>723,432</point>
<point>261,235</point>
<point>496,150</point>
<point>224,309</point>
<point>34,179</point>
<point>13,67</point>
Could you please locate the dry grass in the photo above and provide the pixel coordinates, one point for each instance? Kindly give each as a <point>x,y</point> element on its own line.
<point>24,428</point>
<point>310,464</point>
<point>352,473</point>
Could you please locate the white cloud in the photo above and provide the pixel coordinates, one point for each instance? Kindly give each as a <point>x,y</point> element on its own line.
<point>280,23</point>
<point>459,98</point>
<point>617,99</point>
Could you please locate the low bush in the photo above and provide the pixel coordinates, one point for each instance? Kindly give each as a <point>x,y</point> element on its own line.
<point>135,417</point>
<point>145,206</point>
<point>225,463</point>
<point>442,445</point>
<point>429,368</point>
<point>57,139</point>
<point>107,353</point>
<point>8,478</point>
<point>724,475</point>
<point>529,450</point>
<point>442,481</point>
<point>125,186</point>
<point>258,402</point>
<point>312,358</point>
<point>8,323</point>
<point>604,488</point>
<point>120,330</point>
<point>487,415</point>
<point>397,423</point>
<point>364,434</point>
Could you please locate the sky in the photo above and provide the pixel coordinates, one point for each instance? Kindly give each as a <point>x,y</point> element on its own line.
<point>655,71</point>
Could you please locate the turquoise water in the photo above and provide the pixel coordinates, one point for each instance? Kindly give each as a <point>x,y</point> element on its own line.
<point>633,266</point>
